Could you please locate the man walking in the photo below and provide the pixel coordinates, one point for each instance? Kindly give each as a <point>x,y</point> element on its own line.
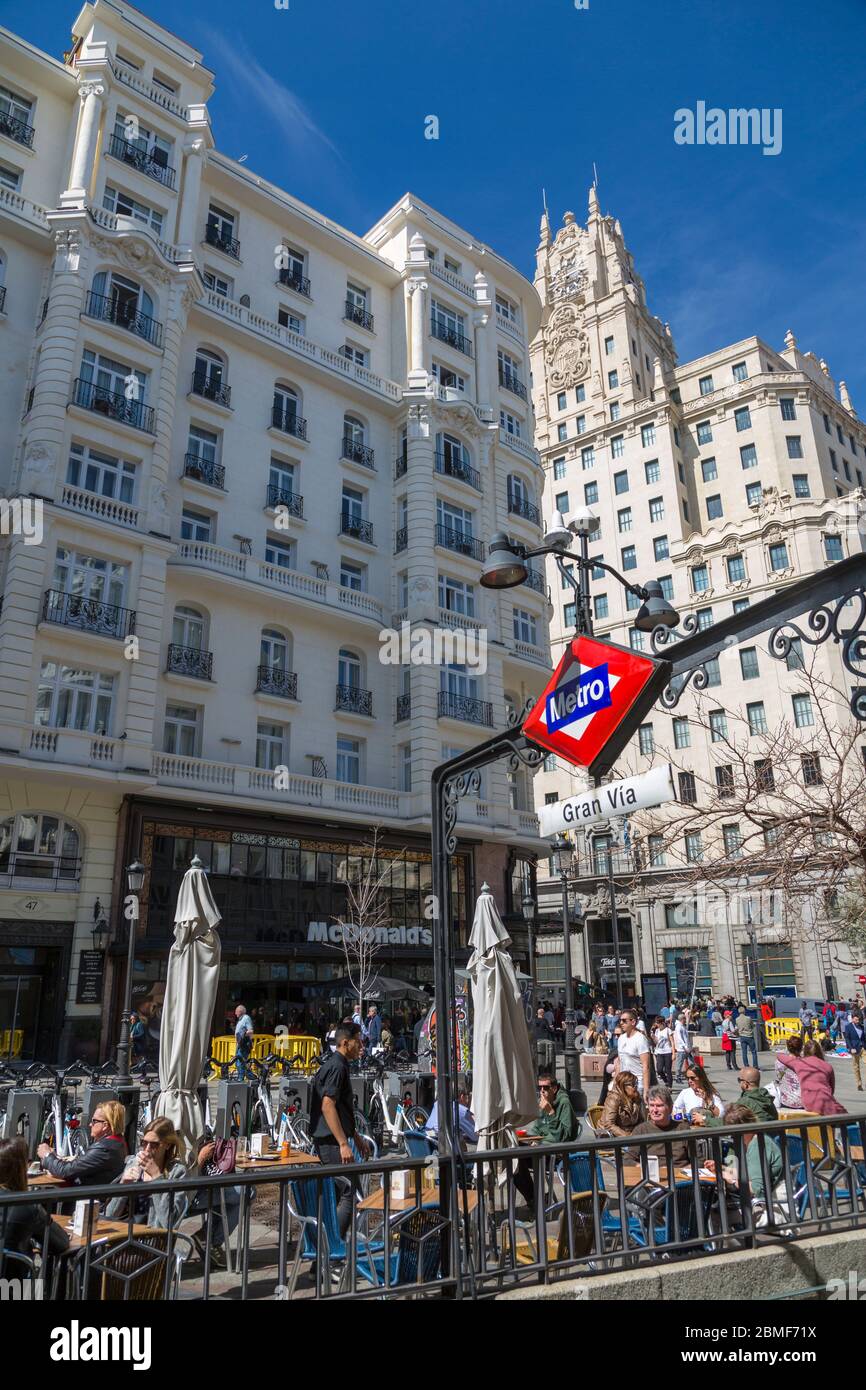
<point>332,1116</point>
<point>682,1046</point>
<point>634,1050</point>
<point>243,1041</point>
<point>853,1034</point>
<point>374,1026</point>
<point>745,1026</point>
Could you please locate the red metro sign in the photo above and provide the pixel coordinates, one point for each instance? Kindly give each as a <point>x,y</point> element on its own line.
<point>596,698</point>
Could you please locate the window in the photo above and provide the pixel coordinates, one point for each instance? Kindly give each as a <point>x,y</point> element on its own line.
<point>749,663</point>
<point>757,718</point>
<point>708,470</point>
<point>705,385</point>
<point>39,846</point>
<point>786,405</point>
<point>270,745</point>
<point>847,469</point>
<point>742,419</point>
<point>221,230</point>
<point>779,556</point>
<point>456,596</point>
<point>558,470</point>
<point>614,410</point>
<point>608,347</point>
<point>739,605</point>
<point>405,762</point>
<point>580,394</point>
<point>657,509</point>
<point>718,725</point>
<point>596,572</point>
<point>736,569</point>
<point>601,606</point>
<point>561,502</point>
<point>287,318</point>
<point>504,307</point>
<point>561,400</point>
<point>661,549</point>
<point>652,471</point>
<point>801,485</point>
<point>724,781</point>
<point>218,284</point>
<point>748,456</point>
<point>632,601</point>
<point>113,200</point>
<point>617,446</point>
<point>714,507</point>
<point>645,739</point>
<point>733,841</point>
<point>803,715</point>
<point>195,526</point>
<point>274,650</point>
<point>620,483</point>
<point>839,434</point>
<point>739,371</point>
<point>754,494</point>
<point>682,733</point>
<point>795,446</point>
<point>100,474</point>
<point>202,445</point>
<point>764,778</point>
<point>833,464</point>
<point>9,177</point>
<point>280,553</point>
<point>794,659</point>
<point>647,435</point>
<point>87,577</point>
<point>180,730</point>
<point>629,557</point>
<point>569,615</point>
<point>354,354</point>
<point>524,627</point>
<point>68,697</point>
<point>826,424</point>
<point>353,576</point>
<point>636,639</point>
<point>587,457</point>
<point>581,424</point>
<point>656,847</point>
<point>833,549</point>
<point>705,432</point>
<point>714,675</point>
<point>613,380</point>
<point>688,791</point>
<point>694,847</point>
<point>705,619</point>
<point>812,775</point>
<point>624,519</point>
<point>590,494</point>
<point>700,578</point>
<point>564,578</point>
<point>685,511</point>
<point>348,760</point>
<point>561,433</point>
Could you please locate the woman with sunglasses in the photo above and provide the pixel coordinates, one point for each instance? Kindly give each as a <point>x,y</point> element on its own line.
<point>623,1109</point>
<point>158,1157</point>
<point>698,1094</point>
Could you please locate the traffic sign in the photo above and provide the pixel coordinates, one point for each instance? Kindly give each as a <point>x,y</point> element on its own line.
<point>613,799</point>
<point>862,979</point>
<point>595,700</point>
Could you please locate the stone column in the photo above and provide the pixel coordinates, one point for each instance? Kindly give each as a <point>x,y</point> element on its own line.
<point>482,344</point>
<point>417,290</point>
<point>81,174</point>
<point>180,294</point>
<point>195,152</point>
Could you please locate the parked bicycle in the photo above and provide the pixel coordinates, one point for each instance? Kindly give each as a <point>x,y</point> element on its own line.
<point>390,1116</point>
<point>61,1120</point>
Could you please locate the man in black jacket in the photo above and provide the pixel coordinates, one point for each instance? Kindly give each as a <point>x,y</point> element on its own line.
<point>103,1161</point>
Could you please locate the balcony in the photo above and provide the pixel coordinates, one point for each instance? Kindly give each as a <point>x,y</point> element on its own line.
<point>401,539</point>
<point>518,506</point>
<point>512,383</point>
<point>356,313</point>
<point>359,453</point>
<point>453,467</point>
<point>454,337</point>
<point>356,527</point>
<point>190,661</point>
<point>50,873</point>
<point>273,680</point>
<point>400,466</point>
<point>212,388</point>
<point>114,404</point>
<point>288,422</point>
<point>112,309</point>
<point>87,614</point>
<point>282,497</point>
<point>404,708</point>
<point>352,700</point>
<point>535,580</point>
<point>3,299</point>
<point>465,707</point>
<point>149,162</point>
<point>16,129</point>
<point>291,280</point>
<point>229,245</point>
<point>459,541</point>
<point>204,471</point>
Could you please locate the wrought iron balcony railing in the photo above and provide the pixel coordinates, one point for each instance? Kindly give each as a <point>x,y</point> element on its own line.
<point>455,468</point>
<point>356,313</point>
<point>289,422</point>
<point>400,466</point>
<point>512,383</point>
<point>401,539</point>
<point>293,281</point>
<point>352,700</point>
<point>535,580</point>
<point>149,162</point>
<point>212,389</point>
<point>518,506</point>
<point>465,707</point>
<point>404,708</point>
<point>452,336</point>
<point>16,129</point>
<point>87,614</point>
<point>204,470</point>
<point>190,661</point>
<point>283,497</point>
<point>111,309</point>
<point>359,453</point>
<point>112,403</point>
<point>459,541</point>
<point>229,245</point>
<point>356,526</point>
<point>273,680</point>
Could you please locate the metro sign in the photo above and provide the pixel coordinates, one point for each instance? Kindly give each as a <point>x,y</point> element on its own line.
<point>596,698</point>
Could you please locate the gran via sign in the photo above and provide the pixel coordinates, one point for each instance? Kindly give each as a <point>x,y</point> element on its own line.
<point>615,799</point>
<point>333,934</point>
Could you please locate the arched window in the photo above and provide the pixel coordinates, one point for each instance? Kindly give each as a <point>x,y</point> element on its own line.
<point>354,431</point>
<point>275,652</point>
<point>518,491</point>
<point>188,628</point>
<point>40,846</point>
<point>349,670</point>
<point>209,377</point>
<point>453,458</point>
<point>120,299</point>
<point>286,412</point>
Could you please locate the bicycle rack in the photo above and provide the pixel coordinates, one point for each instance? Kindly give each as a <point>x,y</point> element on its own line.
<point>292,1089</point>
<point>93,1096</point>
<point>24,1113</point>
<point>231,1095</point>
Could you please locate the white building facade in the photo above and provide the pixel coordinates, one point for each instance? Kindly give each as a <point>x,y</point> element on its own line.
<point>724,479</point>
<point>254,442</point>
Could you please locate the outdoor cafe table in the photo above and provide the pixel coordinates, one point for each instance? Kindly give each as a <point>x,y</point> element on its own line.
<point>429,1197</point>
<point>268,1162</point>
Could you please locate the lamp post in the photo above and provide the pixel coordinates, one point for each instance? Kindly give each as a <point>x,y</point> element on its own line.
<point>561,851</point>
<point>135,879</point>
<point>529,914</point>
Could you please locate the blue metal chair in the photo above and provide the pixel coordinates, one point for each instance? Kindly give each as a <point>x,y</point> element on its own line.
<point>418,1144</point>
<point>303,1202</point>
<point>580,1171</point>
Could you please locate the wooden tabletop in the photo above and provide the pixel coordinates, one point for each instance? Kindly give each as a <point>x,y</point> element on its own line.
<point>45,1180</point>
<point>429,1197</point>
<point>102,1231</point>
<point>264,1165</point>
<point>632,1174</point>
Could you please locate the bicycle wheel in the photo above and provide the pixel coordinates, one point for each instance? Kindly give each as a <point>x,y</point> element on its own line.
<point>303,1139</point>
<point>416,1117</point>
<point>365,1128</point>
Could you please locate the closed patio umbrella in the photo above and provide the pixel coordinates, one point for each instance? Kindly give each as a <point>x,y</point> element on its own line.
<point>190,995</point>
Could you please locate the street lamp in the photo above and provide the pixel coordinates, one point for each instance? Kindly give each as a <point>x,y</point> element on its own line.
<point>529,911</point>
<point>561,853</point>
<point>134,879</point>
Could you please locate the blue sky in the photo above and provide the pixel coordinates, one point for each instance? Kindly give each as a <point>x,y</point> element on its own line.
<point>328,99</point>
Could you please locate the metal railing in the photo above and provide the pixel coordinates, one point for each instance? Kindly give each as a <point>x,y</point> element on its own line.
<point>289,422</point>
<point>49,870</point>
<point>274,680</point>
<point>353,700</point>
<point>212,388</point>
<point>356,313</point>
<point>465,707</point>
<point>229,245</point>
<point>356,526</point>
<point>535,580</point>
<point>357,451</point>
<point>519,506</point>
<point>283,497</point>
<point>87,614</point>
<point>452,336</point>
<point>16,129</point>
<point>113,404</point>
<point>3,299</point>
<point>452,467</point>
<point>204,470</point>
<point>190,661</point>
<point>404,708</point>
<point>293,281</point>
<point>147,162</point>
<point>400,466</point>
<point>512,383</point>
<point>113,309</point>
<point>401,539</point>
<point>459,541</point>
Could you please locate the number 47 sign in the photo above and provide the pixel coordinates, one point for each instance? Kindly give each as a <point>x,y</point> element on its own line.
<point>596,698</point>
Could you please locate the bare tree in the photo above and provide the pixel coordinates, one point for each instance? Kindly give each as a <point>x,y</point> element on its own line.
<point>368,915</point>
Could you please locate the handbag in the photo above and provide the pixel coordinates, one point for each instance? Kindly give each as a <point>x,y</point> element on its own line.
<point>223,1158</point>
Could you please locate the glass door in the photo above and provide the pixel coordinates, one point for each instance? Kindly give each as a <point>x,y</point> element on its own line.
<point>19,1017</point>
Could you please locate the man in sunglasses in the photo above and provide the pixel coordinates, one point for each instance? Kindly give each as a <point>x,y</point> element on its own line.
<point>556,1124</point>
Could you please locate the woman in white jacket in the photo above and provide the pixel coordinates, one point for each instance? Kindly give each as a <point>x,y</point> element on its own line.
<point>698,1095</point>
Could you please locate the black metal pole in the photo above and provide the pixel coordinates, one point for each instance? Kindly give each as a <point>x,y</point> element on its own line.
<point>614,922</point>
<point>585,626</point>
<point>570,1053</point>
<point>123,1076</point>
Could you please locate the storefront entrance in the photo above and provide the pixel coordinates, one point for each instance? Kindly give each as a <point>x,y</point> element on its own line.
<point>29,1003</point>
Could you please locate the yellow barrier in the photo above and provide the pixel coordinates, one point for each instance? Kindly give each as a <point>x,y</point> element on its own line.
<point>17,1040</point>
<point>302,1050</point>
<point>778,1030</point>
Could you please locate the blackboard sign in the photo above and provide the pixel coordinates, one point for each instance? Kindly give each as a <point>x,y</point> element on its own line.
<point>91,965</point>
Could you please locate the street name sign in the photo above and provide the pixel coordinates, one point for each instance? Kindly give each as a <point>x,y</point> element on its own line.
<point>594,701</point>
<point>613,799</point>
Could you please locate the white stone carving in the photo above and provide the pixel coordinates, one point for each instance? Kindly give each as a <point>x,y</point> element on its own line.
<point>566,347</point>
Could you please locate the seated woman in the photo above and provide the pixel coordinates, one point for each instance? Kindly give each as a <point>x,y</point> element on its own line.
<point>816,1077</point>
<point>698,1095</point>
<point>159,1156</point>
<point>623,1109</point>
<point>211,1163</point>
<point>22,1228</point>
<point>786,1079</point>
